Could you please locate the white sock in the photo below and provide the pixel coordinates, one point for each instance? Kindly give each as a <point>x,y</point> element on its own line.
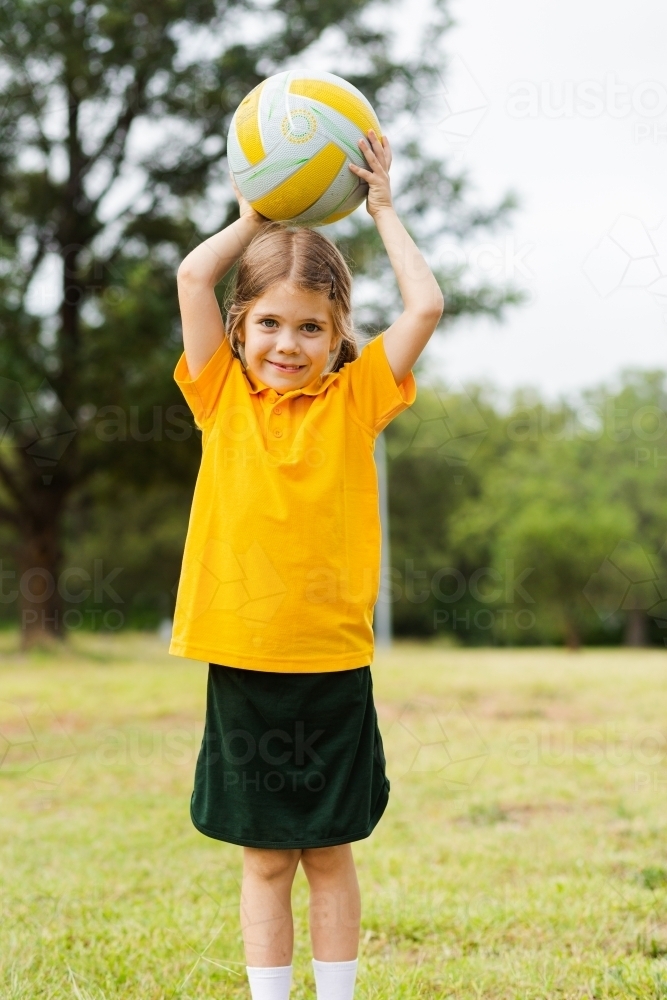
<point>270,983</point>
<point>335,980</point>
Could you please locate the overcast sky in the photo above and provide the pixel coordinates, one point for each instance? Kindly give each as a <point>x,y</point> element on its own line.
<point>566,103</point>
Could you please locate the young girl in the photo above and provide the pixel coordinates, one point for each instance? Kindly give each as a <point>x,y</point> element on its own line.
<point>281,564</point>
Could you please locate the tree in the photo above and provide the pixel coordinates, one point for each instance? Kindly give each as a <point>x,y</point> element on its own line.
<point>440,450</point>
<point>546,524</point>
<point>631,458</point>
<point>112,143</point>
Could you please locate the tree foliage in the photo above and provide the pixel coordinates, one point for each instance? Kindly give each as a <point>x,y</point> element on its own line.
<point>112,164</point>
<point>542,524</point>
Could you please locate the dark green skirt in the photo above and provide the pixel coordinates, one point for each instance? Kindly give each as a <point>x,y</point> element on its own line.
<point>289,760</point>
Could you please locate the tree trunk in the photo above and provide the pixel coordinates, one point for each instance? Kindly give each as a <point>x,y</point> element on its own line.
<point>636,628</point>
<point>40,603</point>
<point>572,637</point>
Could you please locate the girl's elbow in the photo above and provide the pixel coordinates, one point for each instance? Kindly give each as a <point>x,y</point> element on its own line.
<point>187,272</point>
<point>431,312</point>
<point>189,275</point>
<point>184,273</point>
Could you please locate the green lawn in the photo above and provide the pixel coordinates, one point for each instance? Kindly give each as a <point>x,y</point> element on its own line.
<point>523,853</point>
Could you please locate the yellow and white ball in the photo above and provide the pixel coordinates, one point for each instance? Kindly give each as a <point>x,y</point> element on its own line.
<point>290,143</point>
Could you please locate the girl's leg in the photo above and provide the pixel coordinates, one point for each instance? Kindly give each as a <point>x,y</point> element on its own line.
<point>266,906</point>
<point>335,905</point>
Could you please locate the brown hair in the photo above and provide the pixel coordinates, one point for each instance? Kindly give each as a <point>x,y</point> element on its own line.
<point>309,260</point>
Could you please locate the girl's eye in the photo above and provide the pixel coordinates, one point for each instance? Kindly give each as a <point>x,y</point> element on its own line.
<point>269,322</point>
<point>310,327</point>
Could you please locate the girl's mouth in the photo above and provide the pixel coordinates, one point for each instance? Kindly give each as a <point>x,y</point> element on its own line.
<point>286,368</point>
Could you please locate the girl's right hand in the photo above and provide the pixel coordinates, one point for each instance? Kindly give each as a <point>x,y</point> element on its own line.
<point>245,208</point>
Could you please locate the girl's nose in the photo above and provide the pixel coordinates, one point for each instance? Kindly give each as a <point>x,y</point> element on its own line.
<point>287,342</point>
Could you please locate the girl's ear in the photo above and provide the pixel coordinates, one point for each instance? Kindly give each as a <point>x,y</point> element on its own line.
<point>334,347</point>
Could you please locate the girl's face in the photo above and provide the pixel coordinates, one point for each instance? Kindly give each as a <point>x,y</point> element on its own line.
<point>287,336</point>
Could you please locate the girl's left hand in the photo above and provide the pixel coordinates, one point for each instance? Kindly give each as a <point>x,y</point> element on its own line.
<point>378,156</point>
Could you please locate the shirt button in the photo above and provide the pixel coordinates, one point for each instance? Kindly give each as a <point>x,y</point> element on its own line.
<point>278,433</point>
<point>277,409</point>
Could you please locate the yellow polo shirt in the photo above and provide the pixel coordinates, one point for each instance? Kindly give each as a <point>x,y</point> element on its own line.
<point>281,566</point>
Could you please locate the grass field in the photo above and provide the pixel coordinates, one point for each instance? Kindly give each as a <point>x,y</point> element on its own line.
<point>523,853</point>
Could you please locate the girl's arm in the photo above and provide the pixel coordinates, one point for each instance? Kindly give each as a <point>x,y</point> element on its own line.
<point>199,273</point>
<point>423,303</point>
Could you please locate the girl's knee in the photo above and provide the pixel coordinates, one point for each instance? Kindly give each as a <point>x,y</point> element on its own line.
<point>327,860</point>
<point>269,865</point>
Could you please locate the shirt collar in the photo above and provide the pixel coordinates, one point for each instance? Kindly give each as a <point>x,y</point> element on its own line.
<point>313,388</point>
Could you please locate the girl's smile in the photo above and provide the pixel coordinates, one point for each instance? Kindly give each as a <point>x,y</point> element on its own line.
<point>286,368</point>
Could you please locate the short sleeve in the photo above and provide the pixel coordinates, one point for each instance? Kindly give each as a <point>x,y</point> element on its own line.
<point>202,393</point>
<point>374,395</point>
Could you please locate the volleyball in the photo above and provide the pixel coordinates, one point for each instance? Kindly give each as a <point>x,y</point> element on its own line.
<point>290,142</point>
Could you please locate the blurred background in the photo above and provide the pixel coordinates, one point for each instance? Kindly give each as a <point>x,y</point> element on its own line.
<point>526,487</point>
